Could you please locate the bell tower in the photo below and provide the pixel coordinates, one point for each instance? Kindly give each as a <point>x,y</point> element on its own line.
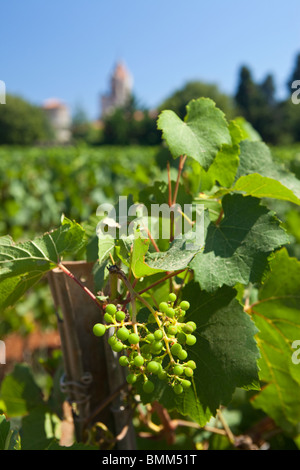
<point>120,90</point>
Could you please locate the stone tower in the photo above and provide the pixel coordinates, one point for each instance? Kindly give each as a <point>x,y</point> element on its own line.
<point>120,90</point>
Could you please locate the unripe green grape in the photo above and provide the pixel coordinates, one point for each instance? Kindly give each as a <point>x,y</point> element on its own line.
<point>172,330</point>
<point>158,334</point>
<point>123,333</point>
<point>170,312</point>
<point>190,340</point>
<point>188,372</point>
<point>99,329</point>
<point>178,370</point>
<point>117,347</point>
<point>145,349</point>
<point>186,383</point>
<point>148,386</point>
<point>163,307</point>
<point>172,297</point>
<point>123,361</point>
<point>191,364</point>
<point>150,337</point>
<point>188,329</point>
<point>162,375</point>
<point>153,367</point>
<point>138,361</point>
<point>175,349</point>
<point>133,338</point>
<point>185,305</point>
<point>192,324</point>
<point>181,338</point>
<point>156,347</point>
<point>120,316</point>
<point>111,309</point>
<point>112,340</point>
<point>178,389</point>
<point>182,355</point>
<point>108,318</point>
<point>131,378</point>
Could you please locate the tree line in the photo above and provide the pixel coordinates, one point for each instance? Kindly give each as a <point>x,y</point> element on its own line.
<point>276,120</point>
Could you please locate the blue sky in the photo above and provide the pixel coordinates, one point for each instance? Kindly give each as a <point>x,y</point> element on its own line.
<point>68,48</point>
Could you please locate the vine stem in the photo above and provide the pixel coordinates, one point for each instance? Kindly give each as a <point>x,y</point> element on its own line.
<point>169,184</point>
<point>218,221</point>
<point>172,202</point>
<point>180,168</point>
<point>174,273</point>
<point>118,272</point>
<point>152,239</point>
<point>74,278</point>
<point>226,427</point>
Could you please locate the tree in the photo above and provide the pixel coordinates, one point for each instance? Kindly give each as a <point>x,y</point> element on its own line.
<point>295,75</point>
<point>193,90</point>
<point>22,123</point>
<point>257,104</point>
<point>267,88</point>
<point>246,96</point>
<point>131,124</point>
<point>81,127</point>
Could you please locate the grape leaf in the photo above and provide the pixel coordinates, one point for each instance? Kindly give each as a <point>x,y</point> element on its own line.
<point>158,194</point>
<point>177,257</point>
<point>259,175</point>
<point>226,355</point>
<point>138,265</point>
<point>277,316</point>
<point>237,250</point>
<point>19,392</point>
<point>263,187</point>
<point>22,265</point>
<point>4,432</point>
<point>9,438</point>
<point>200,135</point>
<point>106,245</point>
<point>225,165</point>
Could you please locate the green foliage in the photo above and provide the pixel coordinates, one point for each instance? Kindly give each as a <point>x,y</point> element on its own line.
<point>130,125</point>
<point>22,123</point>
<point>21,397</point>
<point>276,314</point>
<point>22,265</point>
<point>39,184</point>
<point>276,120</point>
<point>194,90</point>
<point>237,249</point>
<point>201,134</point>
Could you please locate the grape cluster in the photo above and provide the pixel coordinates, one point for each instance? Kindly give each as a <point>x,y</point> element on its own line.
<point>153,348</point>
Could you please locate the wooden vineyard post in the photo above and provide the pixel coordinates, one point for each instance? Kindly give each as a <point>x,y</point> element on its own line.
<point>92,374</point>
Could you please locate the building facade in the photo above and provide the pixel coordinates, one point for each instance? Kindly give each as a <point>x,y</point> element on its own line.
<point>60,120</point>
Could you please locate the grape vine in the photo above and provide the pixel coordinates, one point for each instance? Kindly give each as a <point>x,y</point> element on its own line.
<point>156,347</point>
